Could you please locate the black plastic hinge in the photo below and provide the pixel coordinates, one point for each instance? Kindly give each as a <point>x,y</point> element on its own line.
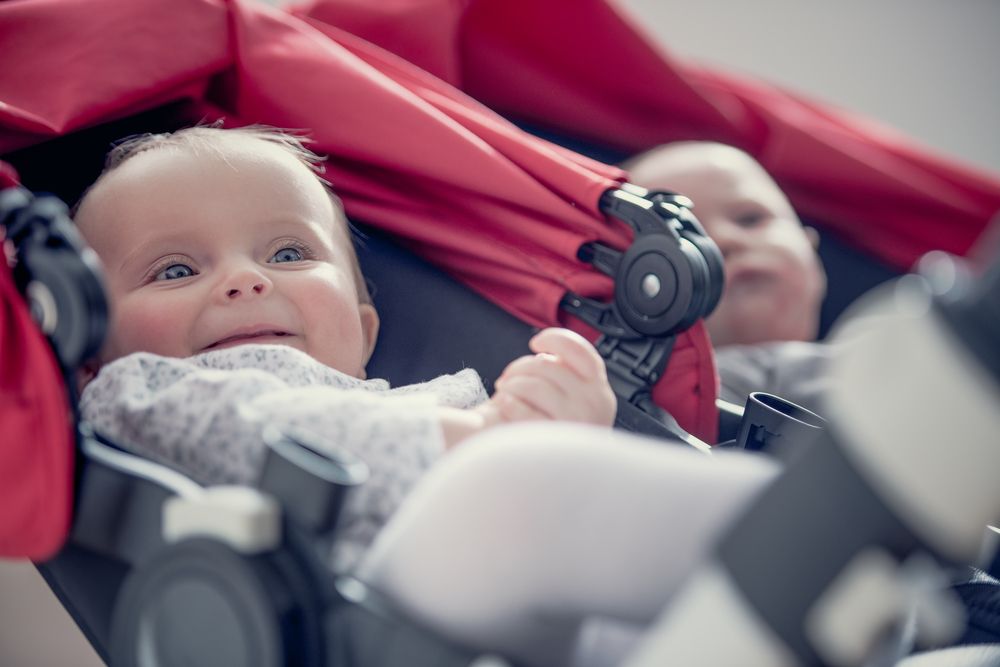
<point>634,365</point>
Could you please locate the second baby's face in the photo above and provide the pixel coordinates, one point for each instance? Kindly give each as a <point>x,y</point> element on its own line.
<point>235,243</point>
<point>774,281</point>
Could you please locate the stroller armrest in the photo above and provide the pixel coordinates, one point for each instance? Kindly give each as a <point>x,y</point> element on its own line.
<point>310,483</point>
<point>122,497</point>
<point>730,417</point>
<point>198,593</point>
<point>120,500</point>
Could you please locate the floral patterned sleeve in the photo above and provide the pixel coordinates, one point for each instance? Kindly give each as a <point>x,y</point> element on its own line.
<point>204,417</point>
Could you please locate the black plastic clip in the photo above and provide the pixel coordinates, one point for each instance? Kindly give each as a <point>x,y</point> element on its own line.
<point>634,365</point>
<point>58,274</point>
<point>669,277</point>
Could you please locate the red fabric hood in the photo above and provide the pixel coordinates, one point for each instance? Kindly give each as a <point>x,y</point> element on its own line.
<point>36,429</point>
<point>499,209</point>
<point>585,68</point>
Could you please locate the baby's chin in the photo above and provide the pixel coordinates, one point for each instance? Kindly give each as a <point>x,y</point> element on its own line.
<point>753,322</point>
<point>286,340</point>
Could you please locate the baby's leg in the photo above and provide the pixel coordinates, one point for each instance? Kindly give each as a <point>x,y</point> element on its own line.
<point>515,537</point>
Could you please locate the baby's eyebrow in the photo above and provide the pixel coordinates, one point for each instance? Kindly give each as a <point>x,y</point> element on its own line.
<point>131,258</point>
<point>146,249</point>
<point>315,230</point>
<point>747,202</point>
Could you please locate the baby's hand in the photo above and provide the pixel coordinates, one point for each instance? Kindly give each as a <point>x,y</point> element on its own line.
<point>564,380</point>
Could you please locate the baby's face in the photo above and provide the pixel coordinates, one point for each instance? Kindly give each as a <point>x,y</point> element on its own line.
<point>774,281</point>
<point>213,248</point>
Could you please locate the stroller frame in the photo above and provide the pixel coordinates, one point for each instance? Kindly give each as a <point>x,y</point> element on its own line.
<point>357,621</point>
<point>284,606</point>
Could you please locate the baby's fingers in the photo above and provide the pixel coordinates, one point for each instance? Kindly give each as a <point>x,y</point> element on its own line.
<point>536,392</point>
<point>572,349</point>
<point>513,409</point>
<point>545,366</point>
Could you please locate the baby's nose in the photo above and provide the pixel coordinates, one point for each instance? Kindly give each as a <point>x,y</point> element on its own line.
<point>257,288</point>
<point>246,284</point>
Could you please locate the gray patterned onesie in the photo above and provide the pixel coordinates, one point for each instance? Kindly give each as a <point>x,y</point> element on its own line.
<point>204,416</point>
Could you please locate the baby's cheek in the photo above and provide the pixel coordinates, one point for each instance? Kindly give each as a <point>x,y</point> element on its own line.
<point>802,260</point>
<point>805,281</point>
<point>794,309</point>
<point>757,300</point>
<point>148,329</point>
<point>332,325</point>
<point>762,309</point>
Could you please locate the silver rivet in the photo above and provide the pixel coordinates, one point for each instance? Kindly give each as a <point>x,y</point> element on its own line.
<point>489,660</point>
<point>650,285</point>
<point>351,589</point>
<point>43,306</point>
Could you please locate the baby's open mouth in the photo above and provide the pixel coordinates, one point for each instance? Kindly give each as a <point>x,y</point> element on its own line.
<point>248,337</point>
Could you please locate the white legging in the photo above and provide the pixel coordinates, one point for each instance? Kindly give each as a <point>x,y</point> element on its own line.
<point>519,535</point>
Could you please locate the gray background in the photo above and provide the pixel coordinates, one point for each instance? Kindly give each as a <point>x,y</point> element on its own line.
<point>930,68</point>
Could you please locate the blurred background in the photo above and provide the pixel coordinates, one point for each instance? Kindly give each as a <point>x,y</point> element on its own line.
<point>925,67</point>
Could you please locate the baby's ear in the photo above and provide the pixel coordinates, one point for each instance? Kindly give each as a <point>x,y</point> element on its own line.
<point>812,235</point>
<point>369,329</point>
<point>87,372</point>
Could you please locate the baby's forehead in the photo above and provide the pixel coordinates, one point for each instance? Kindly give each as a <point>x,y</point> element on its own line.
<point>716,161</point>
<point>218,149</point>
<point>193,162</point>
<point>212,153</point>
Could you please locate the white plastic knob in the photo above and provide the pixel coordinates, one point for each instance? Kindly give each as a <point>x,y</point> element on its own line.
<point>244,518</point>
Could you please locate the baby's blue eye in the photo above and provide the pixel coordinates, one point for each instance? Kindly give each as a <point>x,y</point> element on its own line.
<point>751,220</point>
<point>174,272</point>
<point>287,255</point>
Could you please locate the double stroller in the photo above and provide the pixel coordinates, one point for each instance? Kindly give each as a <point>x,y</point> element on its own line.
<point>547,235</point>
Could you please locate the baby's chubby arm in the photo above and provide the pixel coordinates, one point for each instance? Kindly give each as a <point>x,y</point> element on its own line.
<point>565,380</point>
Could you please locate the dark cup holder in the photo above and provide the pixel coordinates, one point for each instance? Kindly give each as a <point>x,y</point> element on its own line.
<point>773,425</point>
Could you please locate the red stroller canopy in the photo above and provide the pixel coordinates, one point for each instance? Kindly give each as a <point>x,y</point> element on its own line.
<point>583,67</point>
<point>36,433</point>
<point>499,209</point>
